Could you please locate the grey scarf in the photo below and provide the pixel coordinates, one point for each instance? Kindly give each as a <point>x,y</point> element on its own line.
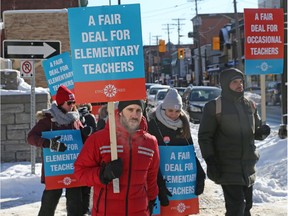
<point>62,118</point>
<point>160,115</point>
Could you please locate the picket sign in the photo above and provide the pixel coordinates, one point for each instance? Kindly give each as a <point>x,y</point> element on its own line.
<point>113,142</point>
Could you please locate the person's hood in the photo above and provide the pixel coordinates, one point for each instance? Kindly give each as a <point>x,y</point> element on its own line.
<point>226,76</point>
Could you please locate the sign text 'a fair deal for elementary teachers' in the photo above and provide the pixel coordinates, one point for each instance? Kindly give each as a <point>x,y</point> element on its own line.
<point>107,52</point>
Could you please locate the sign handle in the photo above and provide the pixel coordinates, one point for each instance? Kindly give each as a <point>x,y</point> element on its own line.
<point>113,142</point>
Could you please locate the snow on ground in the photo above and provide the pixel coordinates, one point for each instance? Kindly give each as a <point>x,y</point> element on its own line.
<point>21,191</point>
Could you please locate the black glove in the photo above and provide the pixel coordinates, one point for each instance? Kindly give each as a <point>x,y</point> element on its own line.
<point>200,178</point>
<point>55,144</point>
<point>163,191</point>
<point>111,171</point>
<point>213,168</point>
<point>151,205</point>
<point>265,129</point>
<point>262,132</point>
<point>87,131</point>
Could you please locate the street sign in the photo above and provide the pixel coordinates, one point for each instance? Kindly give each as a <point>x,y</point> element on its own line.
<point>23,49</point>
<point>27,68</point>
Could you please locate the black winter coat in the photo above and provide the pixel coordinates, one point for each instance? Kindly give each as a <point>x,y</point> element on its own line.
<point>230,140</point>
<point>159,130</point>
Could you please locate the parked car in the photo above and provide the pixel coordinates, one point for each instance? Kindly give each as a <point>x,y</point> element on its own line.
<point>198,97</point>
<point>160,97</point>
<point>273,93</point>
<point>185,95</point>
<point>253,89</point>
<point>153,91</point>
<point>180,90</point>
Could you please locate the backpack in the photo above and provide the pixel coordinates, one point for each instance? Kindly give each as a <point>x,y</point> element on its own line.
<point>219,109</point>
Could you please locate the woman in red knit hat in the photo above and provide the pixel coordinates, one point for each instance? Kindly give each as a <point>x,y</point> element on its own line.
<point>61,116</point>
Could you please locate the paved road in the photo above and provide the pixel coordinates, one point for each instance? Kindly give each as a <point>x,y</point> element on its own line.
<point>273,115</point>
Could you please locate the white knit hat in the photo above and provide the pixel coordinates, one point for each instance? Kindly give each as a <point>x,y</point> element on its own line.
<point>172,100</point>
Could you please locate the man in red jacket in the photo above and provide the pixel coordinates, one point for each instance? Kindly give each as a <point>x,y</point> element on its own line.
<point>136,167</point>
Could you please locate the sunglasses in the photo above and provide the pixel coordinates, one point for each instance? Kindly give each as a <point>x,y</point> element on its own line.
<point>70,102</point>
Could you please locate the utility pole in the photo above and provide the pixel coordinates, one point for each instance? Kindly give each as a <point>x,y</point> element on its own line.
<point>239,44</point>
<point>158,56</point>
<point>179,29</point>
<point>168,31</point>
<point>197,25</point>
<point>283,127</point>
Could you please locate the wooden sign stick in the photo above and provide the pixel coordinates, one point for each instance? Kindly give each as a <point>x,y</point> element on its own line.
<point>113,142</point>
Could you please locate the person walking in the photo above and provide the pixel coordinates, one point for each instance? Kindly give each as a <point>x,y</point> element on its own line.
<point>61,116</point>
<point>136,166</point>
<point>103,116</point>
<point>89,121</point>
<point>170,124</point>
<point>227,142</point>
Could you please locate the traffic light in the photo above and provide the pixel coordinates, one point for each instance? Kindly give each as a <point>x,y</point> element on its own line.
<point>216,43</point>
<point>162,46</point>
<point>181,53</point>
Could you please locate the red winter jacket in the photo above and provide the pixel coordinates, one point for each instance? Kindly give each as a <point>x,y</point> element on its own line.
<point>138,182</point>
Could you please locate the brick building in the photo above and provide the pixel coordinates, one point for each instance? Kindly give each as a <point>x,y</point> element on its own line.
<point>34,20</point>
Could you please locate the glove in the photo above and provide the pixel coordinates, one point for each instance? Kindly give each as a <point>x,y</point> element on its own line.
<point>111,171</point>
<point>265,130</point>
<point>163,191</point>
<point>213,169</point>
<point>55,144</point>
<point>262,132</point>
<point>200,178</point>
<point>151,205</point>
<point>87,131</point>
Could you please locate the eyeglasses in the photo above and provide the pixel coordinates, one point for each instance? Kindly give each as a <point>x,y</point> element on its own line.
<point>70,102</point>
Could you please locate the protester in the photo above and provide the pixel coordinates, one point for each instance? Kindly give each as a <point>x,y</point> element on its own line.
<point>61,116</point>
<point>86,117</point>
<point>226,140</point>
<point>136,166</point>
<point>170,124</point>
<point>88,120</point>
<point>103,116</point>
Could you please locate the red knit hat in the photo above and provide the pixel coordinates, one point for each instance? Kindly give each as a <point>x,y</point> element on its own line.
<point>64,94</point>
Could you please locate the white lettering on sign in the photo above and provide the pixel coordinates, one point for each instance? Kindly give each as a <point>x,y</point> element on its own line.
<point>59,78</point>
<point>120,35</point>
<point>257,28</point>
<point>66,138</point>
<point>183,155</point>
<point>62,157</point>
<point>173,167</point>
<point>180,178</point>
<point>109,19</point>
<point>181,190</point>
<point>172,156</point>
<point>114,67</point>
<point>266,16</point>
<point>56,62</point>
<point>272,28</point>
<point>263,39</point>
<point>62,167</point>
<point>264,51</point>
<point>106,52</point>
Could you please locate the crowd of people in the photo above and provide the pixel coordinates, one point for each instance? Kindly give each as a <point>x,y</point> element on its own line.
<point>129,183</point>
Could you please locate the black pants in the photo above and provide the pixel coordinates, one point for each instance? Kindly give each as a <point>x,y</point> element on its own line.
<point>86,198</point>
<point>238,200</point>
<point>50,199</point>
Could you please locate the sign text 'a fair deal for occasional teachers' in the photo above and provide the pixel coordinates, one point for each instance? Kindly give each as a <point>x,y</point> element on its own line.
<point>264,41</point>
<point>107,53</point>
